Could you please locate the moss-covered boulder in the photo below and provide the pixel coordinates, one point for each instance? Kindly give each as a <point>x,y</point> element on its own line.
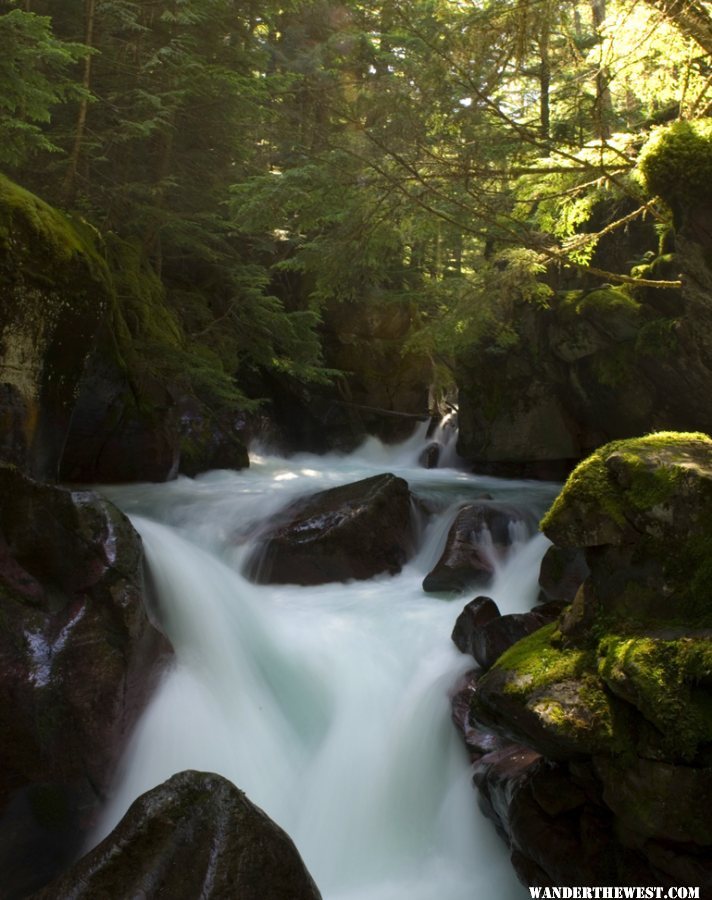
<point>78,659</point>
<point>55,290</point>
<point>195,835</point>
<point>622,681</point>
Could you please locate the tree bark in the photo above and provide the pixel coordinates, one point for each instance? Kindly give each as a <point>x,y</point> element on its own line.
<point>69,184</point>
<point>691,18</point>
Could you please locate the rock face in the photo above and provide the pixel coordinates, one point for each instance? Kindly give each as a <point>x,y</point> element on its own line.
<point>78,658</point>
<point>55,292</point>
<point>355,531</point>
<point>196,835</point>
<point>603,363</point>
<point>92,357</point>
<point>615,696</point>
<point>481,534</point>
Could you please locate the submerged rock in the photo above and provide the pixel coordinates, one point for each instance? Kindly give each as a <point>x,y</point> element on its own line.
<point>78,658</point>
<point>480,535</point>
<point>620,686</point>
<point>195,835</point>
<point>357,531</point>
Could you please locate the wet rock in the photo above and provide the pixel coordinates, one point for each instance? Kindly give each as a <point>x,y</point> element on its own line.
<point>479,741</point>
<point>196,835</point>
<point>473,617</point>
<point>210,442</point>
<point>78,659</point>
<point>354,531</point>
<point>490,641</point>
<point>430,456</point>
<point>481,534</point>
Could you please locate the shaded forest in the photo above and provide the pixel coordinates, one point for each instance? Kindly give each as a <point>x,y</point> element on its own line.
<point>278,192</point>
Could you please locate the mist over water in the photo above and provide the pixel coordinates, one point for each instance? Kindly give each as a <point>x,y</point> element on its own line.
<point>328,705</point>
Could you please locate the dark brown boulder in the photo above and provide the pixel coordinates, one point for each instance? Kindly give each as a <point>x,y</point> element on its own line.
<point>476,614</point>
<point>357,530</point>
<point>480,534</point>
<point>78,658</point>
<point>195,835</point>
<point>430,456</point>
<point>490,641</point>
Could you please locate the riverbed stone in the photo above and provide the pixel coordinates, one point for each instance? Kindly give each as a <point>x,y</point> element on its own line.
<point>474,616</point>
<point>357,530</point>
<point>480,535</point>
<point>195,835</point>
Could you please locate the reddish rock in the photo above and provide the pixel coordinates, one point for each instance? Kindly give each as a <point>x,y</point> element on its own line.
<point>476,614</point>
<point>78,658</point>
<point>481,534</point>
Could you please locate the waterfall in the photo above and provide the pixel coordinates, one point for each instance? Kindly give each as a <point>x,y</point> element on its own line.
<point>328,705</point>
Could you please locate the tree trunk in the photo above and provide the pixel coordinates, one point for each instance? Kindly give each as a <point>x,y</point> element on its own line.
<point>690,17</point>
<point>603,109</point>
<point>69,184</point>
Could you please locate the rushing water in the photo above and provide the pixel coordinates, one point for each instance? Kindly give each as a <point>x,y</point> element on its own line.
<point>327,705</point>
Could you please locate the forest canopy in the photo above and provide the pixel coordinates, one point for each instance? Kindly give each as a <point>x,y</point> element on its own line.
<point>265,162</point>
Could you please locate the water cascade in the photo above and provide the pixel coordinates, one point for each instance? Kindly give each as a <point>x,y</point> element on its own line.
<point>327,705</point>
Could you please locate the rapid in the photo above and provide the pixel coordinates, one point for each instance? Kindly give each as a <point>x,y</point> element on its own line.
<point>329,706</point>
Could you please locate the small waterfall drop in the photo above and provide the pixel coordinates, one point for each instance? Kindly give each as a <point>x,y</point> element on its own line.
<point>328,705</point>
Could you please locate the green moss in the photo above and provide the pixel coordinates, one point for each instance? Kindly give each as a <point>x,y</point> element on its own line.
<point>676,163</point>
<point>560,685</point>
<point>660,678</point>
<point>658,338</point>
<point>613,367</point>
<point>592,485</point>
<point>538,660</point>
<point>68,239</point>
<point>608,299</point>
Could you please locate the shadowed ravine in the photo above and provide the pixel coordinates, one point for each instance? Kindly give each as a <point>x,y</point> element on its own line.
<point>327,705</point>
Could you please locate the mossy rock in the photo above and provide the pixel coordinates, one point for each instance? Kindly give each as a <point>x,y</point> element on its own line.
<point>548,695</point>
<point>676,164</point>
<point>669,681</point>
<point>56,290</point>
<point>626,479</point>
<point>658,799</point>
<point>646,503</point>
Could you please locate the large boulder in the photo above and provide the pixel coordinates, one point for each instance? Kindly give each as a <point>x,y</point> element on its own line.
<point>357,530</point>
<point>479,537</point>
<point>622,682</point>
<point>56,291</point>
<point>195,835</point>
<point>78,659</point>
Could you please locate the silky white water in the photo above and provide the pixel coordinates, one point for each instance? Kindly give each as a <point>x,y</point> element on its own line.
<point>329,705</point>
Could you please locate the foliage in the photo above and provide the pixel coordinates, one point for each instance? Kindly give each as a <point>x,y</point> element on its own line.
<point>676,163</point>
<point>34,76</point>
<point>451,160</point>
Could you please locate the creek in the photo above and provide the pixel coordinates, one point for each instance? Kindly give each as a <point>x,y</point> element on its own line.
<point>329,706</point>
